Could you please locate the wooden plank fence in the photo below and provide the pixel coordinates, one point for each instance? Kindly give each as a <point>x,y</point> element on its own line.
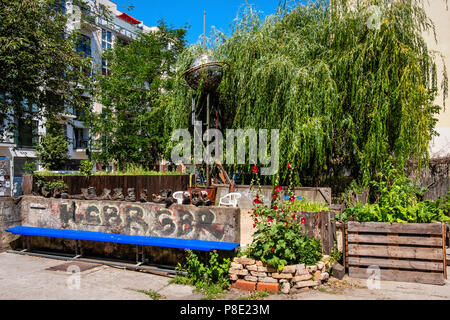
<point>153,184</point>
<point>402,252</point>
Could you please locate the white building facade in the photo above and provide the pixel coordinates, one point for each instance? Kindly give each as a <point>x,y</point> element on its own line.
<point>98,34</point>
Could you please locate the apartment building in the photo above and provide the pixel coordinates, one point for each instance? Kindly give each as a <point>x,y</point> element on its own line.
<point>98,34</point>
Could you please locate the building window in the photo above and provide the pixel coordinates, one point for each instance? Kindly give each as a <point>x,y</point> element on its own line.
<point>106,39</point>
<point>84,45</point>
<point>26,133</point>
<point>105,68</point>
<point>79,141</point>
<point>60,6</point>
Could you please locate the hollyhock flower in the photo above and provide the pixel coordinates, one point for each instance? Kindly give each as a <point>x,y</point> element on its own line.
<point>303,220</point>
<point>288,165</point>
<point>257,201</point>
<point>255,169</point>
<point>273,249</point>
<point>275,208</point>
<point>274,196</point>
<point>254,226</point>
<point>278,189</point>
<point>294,217</point>
<point>270,219</point>
<point>287,224</point>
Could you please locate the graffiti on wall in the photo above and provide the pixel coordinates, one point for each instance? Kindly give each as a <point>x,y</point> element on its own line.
<point>149,220</point>
<point>5,177</point>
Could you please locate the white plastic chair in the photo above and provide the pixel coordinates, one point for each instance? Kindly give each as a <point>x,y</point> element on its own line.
<point>230,199</point>
<point>178,196</point>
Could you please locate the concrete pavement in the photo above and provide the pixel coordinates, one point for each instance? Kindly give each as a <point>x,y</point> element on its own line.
<point>26,277</point>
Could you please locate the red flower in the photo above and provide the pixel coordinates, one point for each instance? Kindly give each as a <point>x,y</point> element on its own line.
<point>287,224</point>
<point>288,165</point>
<point>274,195</point>
<point>303,220</point>
<point>254,226</point>
<point>255,169</point>
<point>278,189</point>
<point>257,201</point>
<point>273,249</point>
<point>275,208</point>
<point>270,219</point>
<point>293,216</point>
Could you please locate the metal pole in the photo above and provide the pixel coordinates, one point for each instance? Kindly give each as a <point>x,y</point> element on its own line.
<point>208,182</point>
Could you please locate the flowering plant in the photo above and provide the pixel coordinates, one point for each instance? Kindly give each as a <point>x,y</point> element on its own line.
<point>280,237</point>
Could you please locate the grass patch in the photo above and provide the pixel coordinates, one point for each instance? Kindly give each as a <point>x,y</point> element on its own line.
<point>210,291</point>
<point>255,296</point>
<point>152,294</point>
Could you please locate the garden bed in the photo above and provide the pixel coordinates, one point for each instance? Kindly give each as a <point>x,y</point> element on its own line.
<point>411,252</point>
<point>252,275</point>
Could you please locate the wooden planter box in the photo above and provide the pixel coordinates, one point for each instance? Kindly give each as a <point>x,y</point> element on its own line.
<point>403,252</point>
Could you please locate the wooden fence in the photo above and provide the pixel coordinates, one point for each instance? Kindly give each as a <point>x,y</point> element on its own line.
<point>153,184</point>
<point>399,252</point>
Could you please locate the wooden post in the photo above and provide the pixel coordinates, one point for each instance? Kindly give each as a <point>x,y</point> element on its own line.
<point>444,247</point>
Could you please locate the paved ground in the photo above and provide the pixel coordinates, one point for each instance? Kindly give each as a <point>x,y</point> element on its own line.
<point>25,277</point>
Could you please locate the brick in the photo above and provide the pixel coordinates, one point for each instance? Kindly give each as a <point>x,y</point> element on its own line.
<point>289,269</point>
<point>299,290</point>
<point>236,266</point>
<point>311,269</point>
<point>324,276</point>
<point>317,275</point>
<point>302,272</point>
<point>233,277</point>
<point>269,287</point>
<point>285,288</point>
<point>242,272</point>
<point>244,285</point>
<point>259,263</point>
<point>267,280</point>
<point>267,269</point>
<point>244,261</point>
<point>251,278</point>
<point>320,265</point>
<point>300,269</point>
<point>282,275</point>
<point>304,277</point>
<point>258,274</point>
<point>252,267</point>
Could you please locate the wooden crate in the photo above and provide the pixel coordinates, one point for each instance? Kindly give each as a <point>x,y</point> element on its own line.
<point>402,252</point>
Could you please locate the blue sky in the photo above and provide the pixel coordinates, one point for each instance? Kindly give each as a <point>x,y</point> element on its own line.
<point>219,13</point>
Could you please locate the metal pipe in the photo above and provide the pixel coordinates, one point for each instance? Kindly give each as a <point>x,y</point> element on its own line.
<point>102,262</point>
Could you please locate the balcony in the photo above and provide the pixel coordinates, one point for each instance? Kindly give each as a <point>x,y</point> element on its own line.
<point>119,26</point>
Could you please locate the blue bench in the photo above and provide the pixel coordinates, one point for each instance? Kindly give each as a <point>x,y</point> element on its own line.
<point>139,241</point>
<point>124,239</point>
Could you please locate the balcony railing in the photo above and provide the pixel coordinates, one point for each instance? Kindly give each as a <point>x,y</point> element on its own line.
<point>80,145</point>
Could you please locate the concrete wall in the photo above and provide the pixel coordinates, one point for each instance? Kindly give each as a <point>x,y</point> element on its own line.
<point>9,217</point>
<point>142,219</point>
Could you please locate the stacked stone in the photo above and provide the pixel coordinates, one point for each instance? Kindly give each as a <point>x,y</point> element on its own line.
<point>291,279</point>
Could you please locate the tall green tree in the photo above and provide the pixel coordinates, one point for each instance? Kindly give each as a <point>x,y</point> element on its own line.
<point>131,127</point>
<point>41,72</point>
<point>52,150</point>
<point>346,91</point>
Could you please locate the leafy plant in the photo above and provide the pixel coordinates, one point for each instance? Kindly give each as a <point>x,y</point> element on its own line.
<point>397,199</point>
<point>279,239</point>
<point>29,167</point>
<point>86,168</point>
<point>52,185</point>
<point>52,150</point>
<point>211,279</point>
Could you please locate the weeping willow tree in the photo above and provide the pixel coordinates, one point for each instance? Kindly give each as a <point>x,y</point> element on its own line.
<point>346,92</point>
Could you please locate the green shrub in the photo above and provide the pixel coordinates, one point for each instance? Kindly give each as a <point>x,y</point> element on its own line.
<point>398,200</point>
<point>86,168</point>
